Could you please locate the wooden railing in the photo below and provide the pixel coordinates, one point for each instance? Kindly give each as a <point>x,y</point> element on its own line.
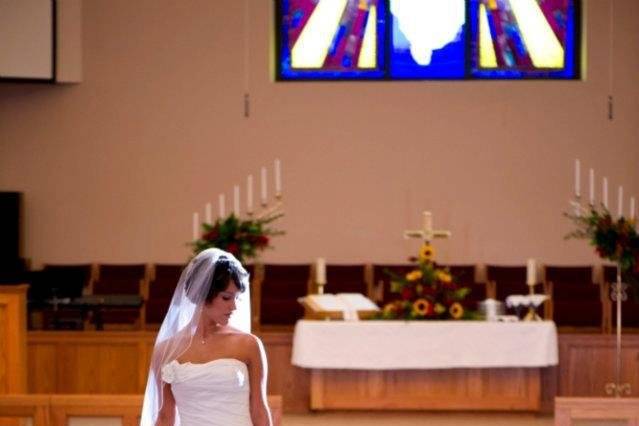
<point>55,410</point>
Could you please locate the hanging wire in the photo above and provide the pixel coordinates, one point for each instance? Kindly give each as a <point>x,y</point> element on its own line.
<point>247,98</point>
<point>611,61</point>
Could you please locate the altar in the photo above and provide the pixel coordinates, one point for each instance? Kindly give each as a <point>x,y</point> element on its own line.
<point>425,365</point>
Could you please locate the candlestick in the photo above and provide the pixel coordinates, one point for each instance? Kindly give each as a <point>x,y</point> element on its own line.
<point>278,178</point>
<point>592,187</point>
<point>209,213</point>
<point>236,200</point>
<point>320,271</point>
<point>531,272</point>
<point>263,182</point>
<point>604,197</point>
<point>222,207</point>
<point>196,226</point>
<point>620,201</point>
<point>577,178</point>
<point>249,194</point>
<point>632,208</point>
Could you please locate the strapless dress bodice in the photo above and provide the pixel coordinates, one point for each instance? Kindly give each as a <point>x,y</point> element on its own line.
<point>215,393</point>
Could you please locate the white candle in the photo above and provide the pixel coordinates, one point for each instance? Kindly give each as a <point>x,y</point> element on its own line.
<point>196,226</point>
<point>577,178</point>
<point>222,207</point>
<point>620,201</point>
<point>263,183</point>
<point>236,200</point>
<point>531,272</point>
<point>249,194</point>
<point>278,177</point>
<point>592,187</point>
<point>632,208</point>
<point>209,213</point>
<point>320,271</point>
<point>604,197</point>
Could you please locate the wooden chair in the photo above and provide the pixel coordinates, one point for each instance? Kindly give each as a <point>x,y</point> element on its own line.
<point>576,303</point>
<point>58,281</point>
<point>277,291</point>
<point>162,281</point>
<point>507,280</point>
<point>122,279</point>
<point>629,308</point>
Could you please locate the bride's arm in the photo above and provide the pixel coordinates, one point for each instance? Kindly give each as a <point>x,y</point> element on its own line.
<point>166,416</point>
<point>260,413</point>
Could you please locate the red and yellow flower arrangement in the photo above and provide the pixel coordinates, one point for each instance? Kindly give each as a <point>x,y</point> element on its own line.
<point>426,292</point>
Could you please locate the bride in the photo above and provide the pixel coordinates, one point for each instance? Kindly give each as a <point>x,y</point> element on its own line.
<point>206,368</point>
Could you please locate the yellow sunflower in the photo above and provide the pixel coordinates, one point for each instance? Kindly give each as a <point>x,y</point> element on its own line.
<point>421,307</point>
<point>389,308</point>
<point>426,253</point>
<point>415,275</point>
<point>456,310</point>
<point>444,276</point>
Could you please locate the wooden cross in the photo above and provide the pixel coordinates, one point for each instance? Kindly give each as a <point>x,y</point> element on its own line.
<point>427,233</point>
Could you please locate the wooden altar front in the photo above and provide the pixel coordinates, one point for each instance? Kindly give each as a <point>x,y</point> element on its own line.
<point>503,389</point>
<point>438,365</point>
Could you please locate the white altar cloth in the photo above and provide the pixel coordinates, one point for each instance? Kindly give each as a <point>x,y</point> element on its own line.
<point>402,345</point>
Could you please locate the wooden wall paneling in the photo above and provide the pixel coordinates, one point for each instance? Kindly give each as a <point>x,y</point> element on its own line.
<point>42,378</point>
<point>587,363</point>
<point>90,362</point>
<point>13,338</point>
<point>292,383</point>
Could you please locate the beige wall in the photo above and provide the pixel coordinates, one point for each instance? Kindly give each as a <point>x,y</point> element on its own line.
<point>113,168</point>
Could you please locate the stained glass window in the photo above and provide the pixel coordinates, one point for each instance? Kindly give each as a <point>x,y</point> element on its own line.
<point>427,39</point>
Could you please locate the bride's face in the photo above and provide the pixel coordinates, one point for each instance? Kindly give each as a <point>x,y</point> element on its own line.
<point>223,305</point>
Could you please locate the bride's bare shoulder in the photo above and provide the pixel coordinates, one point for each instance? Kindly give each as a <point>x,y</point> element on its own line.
<point>248,341</point>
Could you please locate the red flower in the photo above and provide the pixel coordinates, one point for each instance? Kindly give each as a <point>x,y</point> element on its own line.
<point>428,291</point>
<point>262,241</point>
<point>212,235</point>
<point>407,293</point>
<point>234,249</point>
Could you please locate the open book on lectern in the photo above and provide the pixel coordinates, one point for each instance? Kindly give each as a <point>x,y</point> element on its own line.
<point>347,306</point>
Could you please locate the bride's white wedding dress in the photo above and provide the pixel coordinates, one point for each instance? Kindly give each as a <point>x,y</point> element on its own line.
<point>215,393</point>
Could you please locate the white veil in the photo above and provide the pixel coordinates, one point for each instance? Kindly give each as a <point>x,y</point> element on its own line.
<point>182,318</point>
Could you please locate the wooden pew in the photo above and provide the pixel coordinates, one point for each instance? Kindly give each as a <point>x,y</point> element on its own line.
<point>569,409</point>
<point>55,410</point>
<point>30,406</point>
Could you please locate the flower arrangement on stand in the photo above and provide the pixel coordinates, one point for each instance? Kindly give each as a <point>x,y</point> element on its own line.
<point>244,238</point>
<point>427,292</point>
<point>615,240</point>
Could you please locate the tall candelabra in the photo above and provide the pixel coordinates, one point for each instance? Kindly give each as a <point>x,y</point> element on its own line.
<point>618,294</point>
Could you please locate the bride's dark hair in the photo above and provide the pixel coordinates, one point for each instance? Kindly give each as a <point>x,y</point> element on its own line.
<point>225,272</point>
